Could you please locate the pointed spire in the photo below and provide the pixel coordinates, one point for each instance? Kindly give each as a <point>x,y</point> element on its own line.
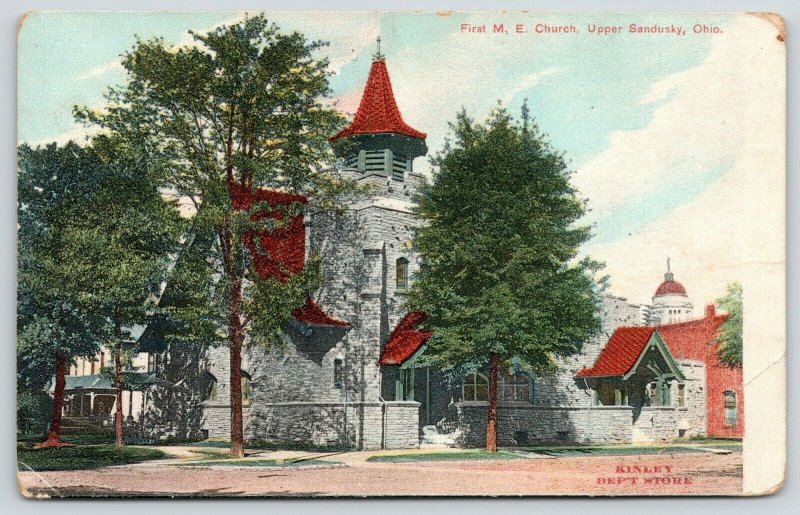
<point>378,113</point>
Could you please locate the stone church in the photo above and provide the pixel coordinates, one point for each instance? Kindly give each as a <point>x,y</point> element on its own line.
<point>348,374</point>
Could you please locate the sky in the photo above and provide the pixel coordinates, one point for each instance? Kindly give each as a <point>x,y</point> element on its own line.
<point>671,138</point>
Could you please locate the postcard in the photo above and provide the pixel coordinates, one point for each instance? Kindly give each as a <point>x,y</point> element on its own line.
<point>348,254</point>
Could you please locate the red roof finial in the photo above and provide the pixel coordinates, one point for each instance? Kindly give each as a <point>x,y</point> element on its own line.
<point>378,113</point>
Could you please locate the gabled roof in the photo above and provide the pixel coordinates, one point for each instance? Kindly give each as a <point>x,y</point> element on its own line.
<point>312,314</point>
<point>405,340</point>
<point>286,245</point>
<point>378,113</point>
<point>620,353</point>
<point>695,339</point>
<point>625,350</point>
<point>281,251</point>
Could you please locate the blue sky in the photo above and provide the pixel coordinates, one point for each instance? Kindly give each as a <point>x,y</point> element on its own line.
<point>585,91</point>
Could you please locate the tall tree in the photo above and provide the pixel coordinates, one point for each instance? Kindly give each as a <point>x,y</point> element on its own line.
<point>240,109</point>
<point>52,328</point>
<point>111,250</point>
<point>729,337</point>
<point>500,282</point>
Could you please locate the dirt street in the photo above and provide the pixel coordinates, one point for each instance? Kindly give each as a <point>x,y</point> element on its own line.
<point>350,475</point>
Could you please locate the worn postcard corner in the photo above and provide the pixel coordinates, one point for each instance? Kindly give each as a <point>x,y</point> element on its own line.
<point>294,254</point>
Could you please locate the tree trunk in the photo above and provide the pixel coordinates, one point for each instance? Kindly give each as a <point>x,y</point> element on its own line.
<point>118,384</point>
<point>236,339</point>
<point>54,434</point>
<point>491,418</point>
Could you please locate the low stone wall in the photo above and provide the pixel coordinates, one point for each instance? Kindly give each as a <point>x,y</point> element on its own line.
<point>660,424</point>
<point>401,425</point>
<point>362,425</point>
<point>526,424</point>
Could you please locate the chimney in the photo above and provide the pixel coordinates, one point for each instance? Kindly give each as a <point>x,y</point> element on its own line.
<point>711,310</point>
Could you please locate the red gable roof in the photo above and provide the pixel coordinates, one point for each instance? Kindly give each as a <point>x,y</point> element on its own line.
<point>671,287</point>
<point>312,314</point>
<point>282,250</point>
<point>620,353</point>
<point>378,113</point>
<point>405,340</point>
<point>695,339</point>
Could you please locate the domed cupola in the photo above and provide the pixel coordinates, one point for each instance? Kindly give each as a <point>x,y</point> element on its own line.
<point>670,302</point>
<point>670,286</point>
<point>382,143</point>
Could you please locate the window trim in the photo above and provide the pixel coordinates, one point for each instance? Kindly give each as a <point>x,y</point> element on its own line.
<point>733,409</point>
<point>474,384</point>
<point>401,263</point>
<point>247,388</point>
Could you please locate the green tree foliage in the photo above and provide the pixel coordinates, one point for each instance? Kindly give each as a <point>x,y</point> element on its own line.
<point>729,338</point>
<point>111,250</point>
<point>500,283</point>
<point>240,109</point>
<point>51,326</point>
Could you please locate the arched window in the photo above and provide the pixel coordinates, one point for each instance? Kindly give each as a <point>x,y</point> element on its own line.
<point>516,387</point>
<point>210,393</point>
<point>247,391</point>
<point>475,387</point>
<point>731,409</point>
<point>401,267</point>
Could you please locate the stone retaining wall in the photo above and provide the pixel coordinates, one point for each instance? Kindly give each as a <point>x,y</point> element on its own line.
<point>361,425</point>
<point>528,424</point>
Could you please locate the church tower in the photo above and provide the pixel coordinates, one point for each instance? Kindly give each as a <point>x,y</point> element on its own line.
<point>380,142</point>
<point>670,302</point>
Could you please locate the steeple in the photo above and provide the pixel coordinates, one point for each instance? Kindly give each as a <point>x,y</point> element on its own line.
<point>383,143</point>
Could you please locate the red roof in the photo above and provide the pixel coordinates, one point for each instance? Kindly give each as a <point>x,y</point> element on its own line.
<point>282,250</point>
<point>312,314</point>
<point>671,288</point>
<point>405,340</point>
<point>695,339</point>
<point>378,113</point>
<point>620,353</point>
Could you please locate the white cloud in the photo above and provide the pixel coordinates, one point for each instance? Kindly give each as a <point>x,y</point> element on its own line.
<point>729,108</point>
<point>528,82</point>
<point>79,134</point>
<point>101,70</point>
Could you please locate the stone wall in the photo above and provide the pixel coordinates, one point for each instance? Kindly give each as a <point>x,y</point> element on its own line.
<point>667,423</point>
<point>294,398</point>
<point>526,424</point>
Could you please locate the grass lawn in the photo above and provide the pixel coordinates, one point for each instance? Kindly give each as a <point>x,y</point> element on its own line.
<point>257,463</point>
<point>621,450</point>
<point>82,457</point>
<point>470,455</point>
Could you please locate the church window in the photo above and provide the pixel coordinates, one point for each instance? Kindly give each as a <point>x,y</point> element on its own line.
<point>338,372</point>
<point>516,387</point>
<point>731,412</point>
<point>211,388</point>
<point>247,391</point>
<point>401,268</point>
<point>475,387</point>
<point>681,395</point>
